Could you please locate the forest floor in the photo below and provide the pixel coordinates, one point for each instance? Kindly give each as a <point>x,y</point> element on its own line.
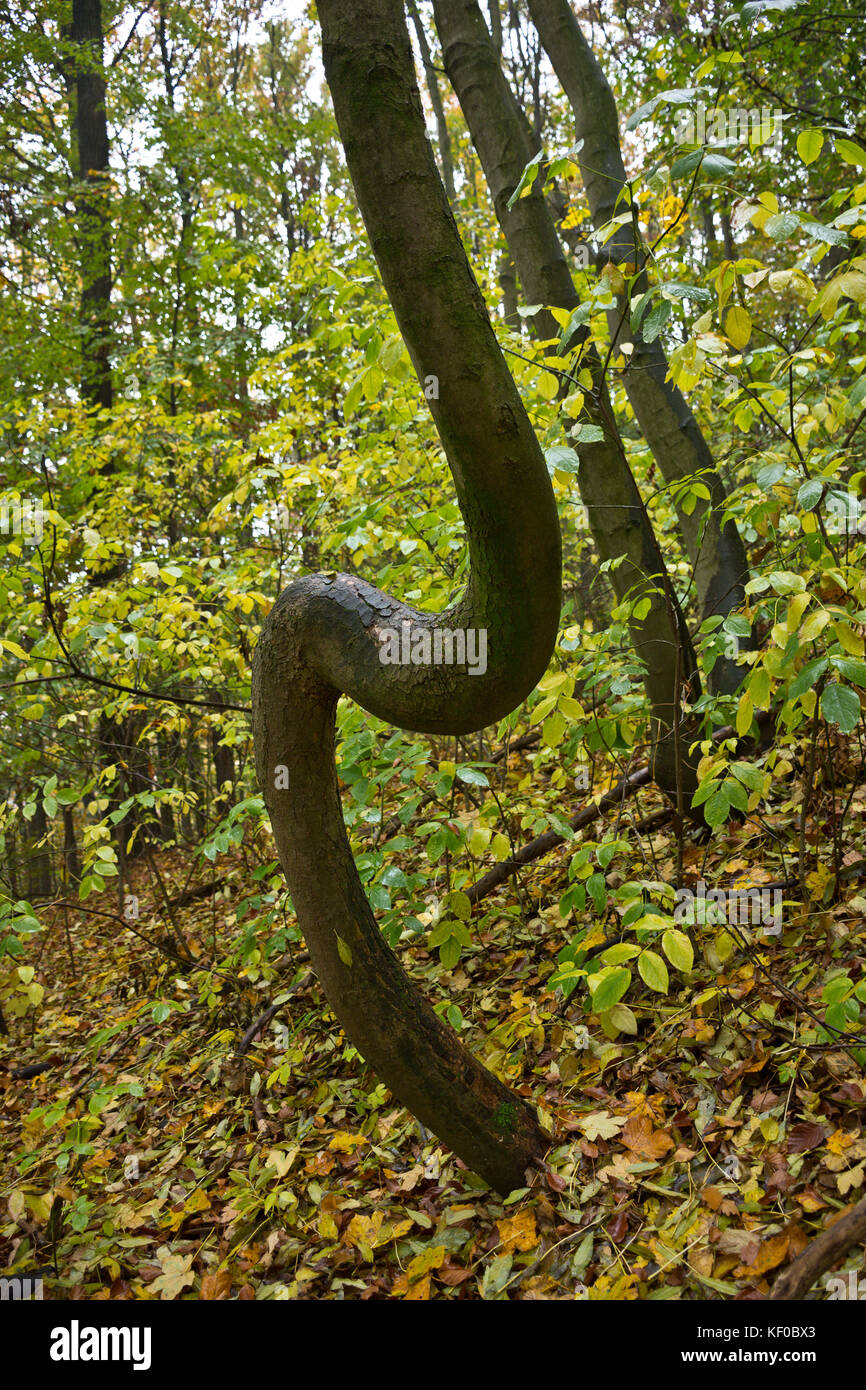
<point>691,1159</point>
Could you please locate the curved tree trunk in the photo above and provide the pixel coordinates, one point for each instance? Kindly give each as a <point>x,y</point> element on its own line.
<point>668,425</point>
<point>324,635</point>
<point>617,517</point>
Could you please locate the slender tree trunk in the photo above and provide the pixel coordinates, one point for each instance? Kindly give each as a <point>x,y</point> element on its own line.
<point>443,139</point>
<point>90,165</point>
<point>508,284</point>
<point>168,758</point>
<point>71,862</point>
<point>617,517</point>
<point>39,857</point>
<point>325,634</point>
<point>224,774</point>
<point>668,425</point>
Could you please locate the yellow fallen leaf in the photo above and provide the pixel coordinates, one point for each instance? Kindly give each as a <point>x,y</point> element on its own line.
<point>432,1258</point>
<point>363,1232</point>
<point>839,1142</point>
<point>345,1143</point>
<point>518,1232</point>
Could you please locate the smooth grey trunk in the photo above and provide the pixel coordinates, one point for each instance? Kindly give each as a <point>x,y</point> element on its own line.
<point>716,552</point>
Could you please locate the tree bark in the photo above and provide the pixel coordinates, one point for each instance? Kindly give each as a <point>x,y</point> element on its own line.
<point>668,425</point>
<point>90,165</point>
<point>443,139</point>
<point>831,1245</point>
<point>71,861</point>
<point>617,517</point>
<point>323,636</point>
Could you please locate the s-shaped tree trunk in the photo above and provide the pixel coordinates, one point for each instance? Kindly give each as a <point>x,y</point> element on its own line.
<point>324,635</point>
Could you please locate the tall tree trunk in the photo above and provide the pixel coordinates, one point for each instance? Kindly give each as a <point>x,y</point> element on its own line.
<point>71,861</point>
<point>224,774</point>
<point>324,635</point>
<point>90,165</point>
<point>443,139</point>
<point>668,425</point>
<point>617,517</point>
<point>39,855</point>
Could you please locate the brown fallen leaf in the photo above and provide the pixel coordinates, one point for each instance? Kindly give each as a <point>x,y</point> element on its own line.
<point>639,1136</point>
<point>215,1287</point>
<point>454,1274</point>
<point>805,1135</point>
<point>771,1252</point>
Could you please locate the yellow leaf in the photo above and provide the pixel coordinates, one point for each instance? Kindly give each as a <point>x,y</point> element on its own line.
<point>839,1142</point>
<point>809,145</point>
<point>745,714</point>
<point>796,608</point>
<point>345,1143</point>
<point>518,1232</point>
<point>413,1293</point>
<point>814,624</point>
<point>848,639</point>
<point>738,326</point>
<point>548,385</point>
<point>363,1232</point>
<point>431,1258</point>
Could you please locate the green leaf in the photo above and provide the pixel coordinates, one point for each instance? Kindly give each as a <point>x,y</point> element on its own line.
<point>686,164</point>
<point>654,972</point>
<point>610,989</point>
<point>344,950</point>
<point>717,166</point>
<point>473,776</point>
<point>809,493</point>
<point>851,153</point>
<point>841,706</point>
<point>852,670</point>
<point>782,225</point>
<point>559,456</point>
<point>449,952</point>
<point>589,434</point>
<point>678,949</point>
<point>717,808</point>
<point>805,679</point>
<point>655,320</point>
<point>527,179</point>
<point>809,145</point>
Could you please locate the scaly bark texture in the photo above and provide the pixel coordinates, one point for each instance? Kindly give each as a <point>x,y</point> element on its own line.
<point>618,521</point>
<point>667,423</point>
<point>323,636</point>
